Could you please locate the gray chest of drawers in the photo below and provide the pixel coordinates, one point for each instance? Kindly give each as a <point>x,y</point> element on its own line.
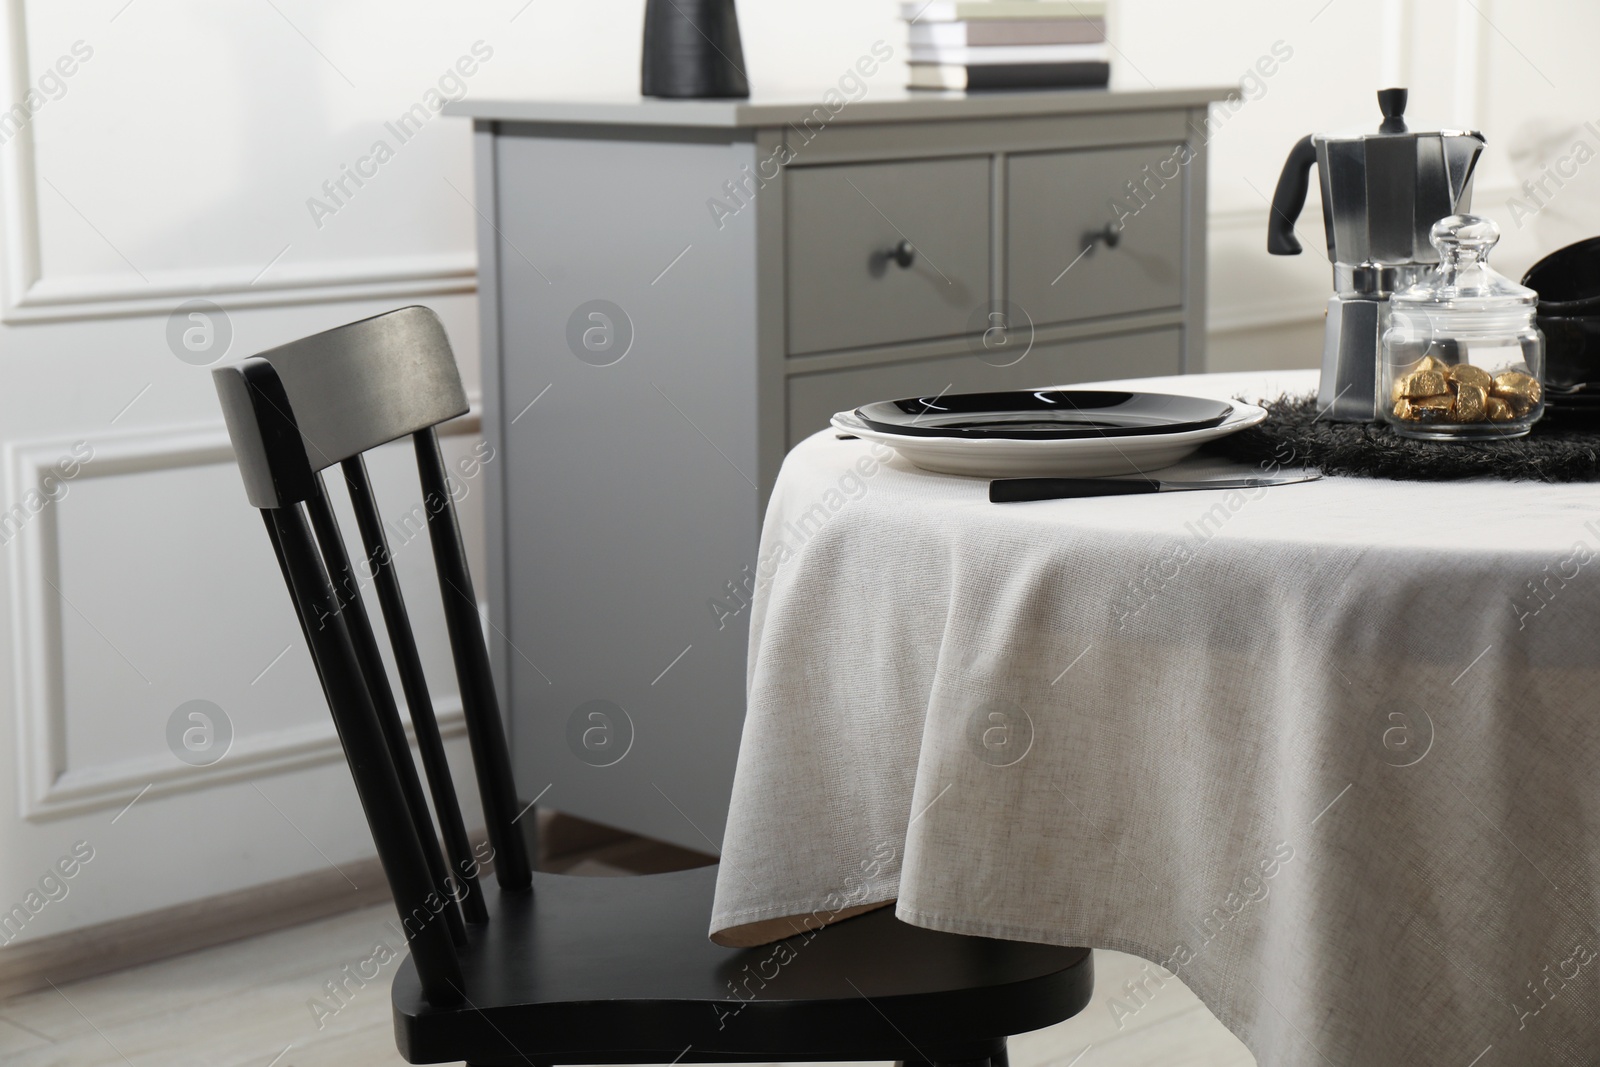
<point>674,293</point>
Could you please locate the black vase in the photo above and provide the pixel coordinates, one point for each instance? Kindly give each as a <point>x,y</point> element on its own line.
<point>692,50</point>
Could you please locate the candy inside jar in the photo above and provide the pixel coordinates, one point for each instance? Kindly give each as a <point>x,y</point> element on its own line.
<point>1431,390</point>
<point>1462,357</point>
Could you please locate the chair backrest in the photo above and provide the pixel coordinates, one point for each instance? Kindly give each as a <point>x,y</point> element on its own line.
<point>293,412</point>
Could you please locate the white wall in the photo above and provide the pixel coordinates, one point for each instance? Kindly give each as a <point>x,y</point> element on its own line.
<point>177,160</point>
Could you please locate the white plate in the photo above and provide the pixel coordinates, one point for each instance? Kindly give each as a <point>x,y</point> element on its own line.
<point>1091,457</point>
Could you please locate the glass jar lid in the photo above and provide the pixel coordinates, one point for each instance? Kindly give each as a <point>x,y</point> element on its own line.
<point>1463,289</point>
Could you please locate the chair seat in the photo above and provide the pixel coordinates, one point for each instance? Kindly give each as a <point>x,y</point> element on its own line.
<point>620,970</point>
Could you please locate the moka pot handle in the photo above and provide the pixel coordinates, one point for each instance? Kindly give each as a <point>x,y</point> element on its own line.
<point>1289,198</point>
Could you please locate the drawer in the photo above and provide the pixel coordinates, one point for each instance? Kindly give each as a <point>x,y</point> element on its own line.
<point>845,293</point>
<point>1057,201</point>
<point>813,398</point>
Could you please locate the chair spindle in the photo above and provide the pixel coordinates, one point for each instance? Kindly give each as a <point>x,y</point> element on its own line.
<point>349,604</point>
<point>415,686</point>
<point>485,730</point>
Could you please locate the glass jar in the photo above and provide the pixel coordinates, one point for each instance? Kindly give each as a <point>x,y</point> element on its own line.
<point>1462,358</point>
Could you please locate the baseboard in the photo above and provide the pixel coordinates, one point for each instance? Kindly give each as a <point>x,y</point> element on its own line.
<point>155,935</point>
<point>121,943</point>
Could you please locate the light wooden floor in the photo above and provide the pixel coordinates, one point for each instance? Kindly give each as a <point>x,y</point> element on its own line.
<point>246,1005</point>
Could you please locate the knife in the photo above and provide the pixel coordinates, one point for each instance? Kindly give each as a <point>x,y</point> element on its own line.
<point>1016,490</point>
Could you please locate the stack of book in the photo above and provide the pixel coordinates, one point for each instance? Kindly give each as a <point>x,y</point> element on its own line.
<point>1007,44</point>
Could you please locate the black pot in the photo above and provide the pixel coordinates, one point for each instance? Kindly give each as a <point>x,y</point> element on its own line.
<point>692,50</point>
<point>1568,284</point>
<point>1571,349</point>
<point>1568,280</point>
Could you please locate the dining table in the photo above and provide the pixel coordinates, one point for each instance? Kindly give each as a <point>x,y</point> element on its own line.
<point>1326,753</point>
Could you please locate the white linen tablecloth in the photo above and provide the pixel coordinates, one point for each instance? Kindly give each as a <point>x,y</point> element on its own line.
<point>1329,753</point>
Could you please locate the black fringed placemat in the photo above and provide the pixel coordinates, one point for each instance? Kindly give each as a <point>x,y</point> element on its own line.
<point>1562,447</point>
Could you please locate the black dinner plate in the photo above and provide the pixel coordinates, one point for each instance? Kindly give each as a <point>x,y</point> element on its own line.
<point>1044,414</point>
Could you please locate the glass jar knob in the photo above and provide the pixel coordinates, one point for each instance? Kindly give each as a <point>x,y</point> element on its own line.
<point>1463,242</point>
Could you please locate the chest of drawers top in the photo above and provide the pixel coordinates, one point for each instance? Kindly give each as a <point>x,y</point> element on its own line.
<point>876,106</point>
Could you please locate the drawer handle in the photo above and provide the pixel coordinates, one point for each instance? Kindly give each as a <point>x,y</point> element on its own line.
<point>904,253</point>
<point>1110,236</point>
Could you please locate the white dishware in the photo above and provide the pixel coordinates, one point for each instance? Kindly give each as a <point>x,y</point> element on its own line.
<point>1092,457</point>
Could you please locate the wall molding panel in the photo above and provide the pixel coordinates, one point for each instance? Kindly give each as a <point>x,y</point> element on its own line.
<point>42,299</point>
<point>19,232</point>
<point>47,787</point>
<point>29,295</point>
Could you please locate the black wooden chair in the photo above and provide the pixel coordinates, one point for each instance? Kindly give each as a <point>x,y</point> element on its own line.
<point>551,969</point>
